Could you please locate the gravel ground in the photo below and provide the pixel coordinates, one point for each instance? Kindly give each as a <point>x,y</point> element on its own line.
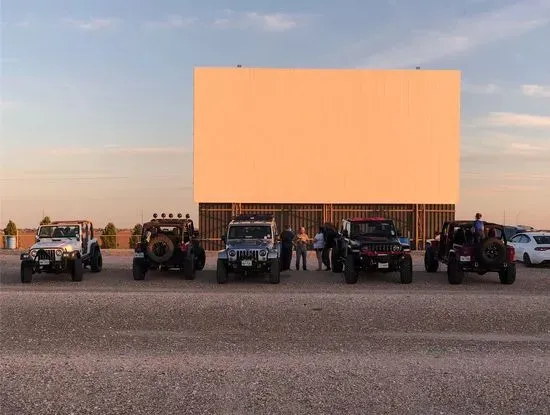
<point>312,344</point>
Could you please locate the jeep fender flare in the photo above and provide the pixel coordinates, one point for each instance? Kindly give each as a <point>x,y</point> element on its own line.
<point>272,254</point>
<point>222,254</point>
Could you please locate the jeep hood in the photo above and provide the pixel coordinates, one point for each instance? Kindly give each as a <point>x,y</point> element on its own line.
<point>249,243</point>
<point>53,244</point>
<point>379,239</point>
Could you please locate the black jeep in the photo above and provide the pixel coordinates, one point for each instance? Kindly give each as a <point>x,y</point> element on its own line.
<point>371,244</point>
<point>168,243</point>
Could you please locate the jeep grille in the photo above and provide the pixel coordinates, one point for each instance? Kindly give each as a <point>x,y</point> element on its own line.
<point>46,254</point>
<point>247,254</point>
<point>382,247</point>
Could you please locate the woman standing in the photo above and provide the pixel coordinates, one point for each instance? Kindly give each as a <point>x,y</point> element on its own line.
<point>318,245</point>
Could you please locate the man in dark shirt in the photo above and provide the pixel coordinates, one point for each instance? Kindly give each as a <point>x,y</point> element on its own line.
<point>287,236</point>
<point>330,236</point>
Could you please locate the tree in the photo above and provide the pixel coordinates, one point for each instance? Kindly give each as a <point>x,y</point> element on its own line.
<point>45,221</point>
<point>10,229</point>
<point>136,232</point>
<point>108,236</point>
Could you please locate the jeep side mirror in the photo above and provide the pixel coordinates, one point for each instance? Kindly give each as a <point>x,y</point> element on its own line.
<point>78,237</point>
<point>223,238</point>
<point>37,238</point>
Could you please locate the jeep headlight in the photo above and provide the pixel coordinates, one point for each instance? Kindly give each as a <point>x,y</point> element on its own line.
<point>231,253</point>
<point>396,248</point>
<point>33,253</point>
<point>58,252</point>
<point>263,252</point>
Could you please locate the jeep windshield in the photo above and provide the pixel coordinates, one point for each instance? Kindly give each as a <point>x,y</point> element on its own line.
<point>59,231</point>
<point>372,228</point>
<point>249,232</point>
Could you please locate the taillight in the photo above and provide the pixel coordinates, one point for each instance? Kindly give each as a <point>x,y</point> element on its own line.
<point>540,248</point>
<point>183,247</point>
<point>510,254</point>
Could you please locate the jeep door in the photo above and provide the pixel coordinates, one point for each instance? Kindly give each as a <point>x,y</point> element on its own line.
<point>84,237</point>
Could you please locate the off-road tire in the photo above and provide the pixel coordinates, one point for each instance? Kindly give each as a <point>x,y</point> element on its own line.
<point>77,270</point>
<point>491,252</point>
<point>508,275</point>
<point>200,259</point>
<point>164,239</point>
<point>26,272</point>
<point>455,274</point>
<point>222,273</point>
<point>336,261</point>
<point>406,270</point>
<point>275,271</point>
<point>138,269</point>
<point>527,260</point>
<point>96,260</point>
<point>431,263</point>
<point>189,271</point>
<point>351,275</point>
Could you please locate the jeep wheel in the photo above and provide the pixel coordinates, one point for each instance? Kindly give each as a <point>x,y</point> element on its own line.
<point>430,261</point>
<point>527,260</point>
<point>455,274</point>
<point>406,270</point>
<point>160,248</point>
<point>26,272</point>
<point>275,271</point>
<point>138,269</point>
<point>96,262</point>
<point>77,270</point>
<point>336,261</point>
<point>508,276</point>
<point>189,267</point>
<point>200,259</point>
<point>351,275</point>
<point>221,272</point>
<point>491,252</point>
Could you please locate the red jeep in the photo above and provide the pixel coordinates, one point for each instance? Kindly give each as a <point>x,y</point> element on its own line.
<point>459,249</point>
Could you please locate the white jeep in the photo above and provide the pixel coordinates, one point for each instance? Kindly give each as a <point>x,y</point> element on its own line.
<point>62,246</point>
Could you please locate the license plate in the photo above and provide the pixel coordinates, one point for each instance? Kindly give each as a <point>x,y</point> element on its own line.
<point>43,262</point>
<point>246,262</point>
<point>383,265</point>
<point>464,258</point>
<point>139,255</point>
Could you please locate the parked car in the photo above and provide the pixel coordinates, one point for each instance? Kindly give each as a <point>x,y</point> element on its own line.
<point>532,248</point>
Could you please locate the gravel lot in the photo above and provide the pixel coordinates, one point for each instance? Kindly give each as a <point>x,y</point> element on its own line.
<point>312,344</point>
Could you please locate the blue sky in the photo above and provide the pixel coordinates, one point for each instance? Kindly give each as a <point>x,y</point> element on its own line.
<point>94,93</point>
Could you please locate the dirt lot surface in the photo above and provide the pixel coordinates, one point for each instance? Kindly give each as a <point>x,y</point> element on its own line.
<point>310,345</point>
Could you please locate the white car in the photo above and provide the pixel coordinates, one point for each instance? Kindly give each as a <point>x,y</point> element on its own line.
<point>532,248</point>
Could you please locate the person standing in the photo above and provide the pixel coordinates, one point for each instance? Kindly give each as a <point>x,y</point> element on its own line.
<point>287,238</point>
<point>478,228</point>
<point>301,242</point>
<point>330,236</point>
<point>318,245</point>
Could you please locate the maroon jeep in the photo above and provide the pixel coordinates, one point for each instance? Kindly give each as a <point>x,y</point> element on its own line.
<point>461,251</point>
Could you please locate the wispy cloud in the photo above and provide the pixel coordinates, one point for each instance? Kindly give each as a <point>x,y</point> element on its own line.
<point>533,90</point>
<point>172,22</point>
<point>512,119</point>
<point>270,22</point>
<point>487,89</point>
<point>465,35</point>
<point>92,24</point>
<point>114,149</point>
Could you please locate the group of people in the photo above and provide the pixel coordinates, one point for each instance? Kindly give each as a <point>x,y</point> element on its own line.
<point>323,242</point>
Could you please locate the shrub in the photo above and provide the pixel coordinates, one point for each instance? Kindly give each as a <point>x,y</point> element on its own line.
<point>45,221</point>
<point>136,232</point>
<point>10,229</point>
<point>108,237</point>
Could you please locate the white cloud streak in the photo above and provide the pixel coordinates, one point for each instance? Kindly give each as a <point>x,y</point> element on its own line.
<point>172,22</point>
<point>269,22</point>
<point>465,35</point>
<point>92,24</point>
<point>488,89</point>
<point>511,119</point>
<point>538,91</point>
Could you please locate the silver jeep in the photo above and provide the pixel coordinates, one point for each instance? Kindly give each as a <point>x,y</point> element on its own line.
<point>251,246</point>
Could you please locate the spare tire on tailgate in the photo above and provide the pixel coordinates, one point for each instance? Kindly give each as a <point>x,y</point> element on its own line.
<point>491,252</point>
<point>160,249</point>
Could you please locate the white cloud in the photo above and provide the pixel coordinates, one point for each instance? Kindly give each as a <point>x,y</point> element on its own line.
<point>532,90</point>
<point>466,34</point>
<point>487,89</point>
<point>511,119</point>
<point>92,24</point>
<point>270,22</point>
<point>113,149</point>
<point>172,22</point>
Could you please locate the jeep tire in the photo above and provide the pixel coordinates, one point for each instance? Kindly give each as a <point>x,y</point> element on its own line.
<point>77,270</point>
<point>455,274</point>
<point>96,260</point>
<point>275,271</point>
<point>221,272</point>
<point>336,261</point>
<point>351,275</point>
<point>26,271</point>
<point>491,252</point>
<point>160,239</point>
<point>508,276</point>
<point>138,269</point>
<point>189,267</point>
<point>200,259</point>
<point>431,263</point>
<point>406,270</point>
